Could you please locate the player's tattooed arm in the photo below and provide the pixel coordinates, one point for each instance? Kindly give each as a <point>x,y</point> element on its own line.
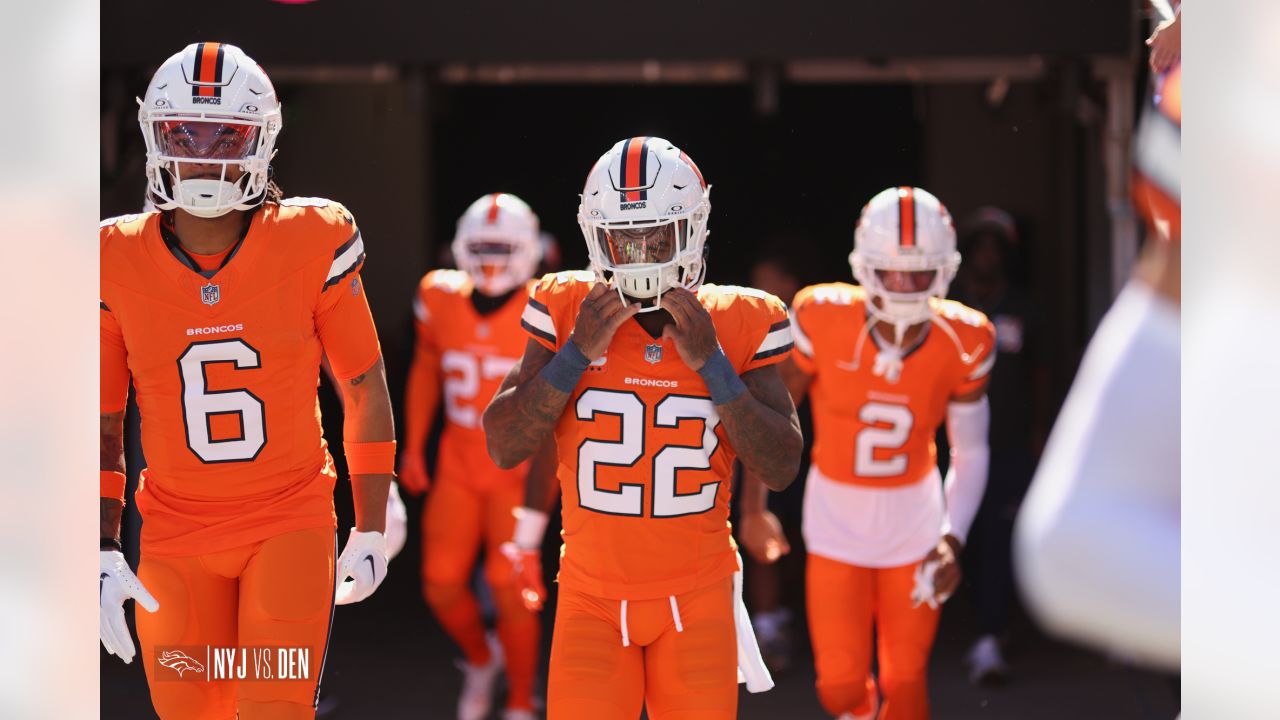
<point>764,429</point>
<point>759,530</point>
<point>540,487</point>
<point>526,408</point>
<point>111,458</point>
<point>367,418</point>
<point>367,406</point>
<point>761,422</point>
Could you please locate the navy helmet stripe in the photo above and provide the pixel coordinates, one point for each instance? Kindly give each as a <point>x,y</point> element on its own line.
<point>644,168</point>
<point>217,70</point>
<point>622,170</point>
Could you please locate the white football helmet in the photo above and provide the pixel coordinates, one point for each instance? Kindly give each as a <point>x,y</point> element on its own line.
<point>209,114</point>
<point>644,216</point>
<point>907,233</point>
<point>497,243</point>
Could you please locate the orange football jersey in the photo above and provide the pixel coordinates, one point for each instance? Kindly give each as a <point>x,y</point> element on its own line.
<point>867,430</point>
<point>225,364</point>
<point>474,353</point>
<point>645,466</point>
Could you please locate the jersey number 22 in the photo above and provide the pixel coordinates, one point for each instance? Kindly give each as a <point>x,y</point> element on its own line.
<point>629,448</point>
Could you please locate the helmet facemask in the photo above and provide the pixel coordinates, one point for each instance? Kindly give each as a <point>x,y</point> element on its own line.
<point>496,264</point>
<point>643,259</point>
<point>193,160</point>
<point>916,282</point>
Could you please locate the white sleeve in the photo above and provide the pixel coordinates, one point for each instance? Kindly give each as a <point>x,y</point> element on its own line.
<point>967,426</point>
<point>1097,542</point>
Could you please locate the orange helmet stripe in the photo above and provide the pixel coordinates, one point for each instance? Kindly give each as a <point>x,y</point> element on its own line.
<point>906,217</point>
<point>632,175</point>
<point>493,208</point>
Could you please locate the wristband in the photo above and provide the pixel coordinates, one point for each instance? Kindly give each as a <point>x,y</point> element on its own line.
<point>370,458</point>
<point>111,485</point>
<point>110,544</point>
<point>565,368</point>
<point>721,379</point>
<point>531,525</point>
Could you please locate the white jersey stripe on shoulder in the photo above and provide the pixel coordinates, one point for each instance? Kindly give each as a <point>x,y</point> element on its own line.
<point>536,316</point>
<point>350,254</point>
<point>984,367</point>
<point>779,336</point>
<point>803,343</point>
<point>420,310</point>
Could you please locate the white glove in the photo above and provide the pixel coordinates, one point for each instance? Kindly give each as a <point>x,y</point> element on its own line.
<point>117,584</point>
<point>923,591</point>
<point>397,519</point>
<point>364,561</point>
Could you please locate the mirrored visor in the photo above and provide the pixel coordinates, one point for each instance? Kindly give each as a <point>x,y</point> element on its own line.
<point>206,139</point>
<point>632,246</point>
<point>906,281</point>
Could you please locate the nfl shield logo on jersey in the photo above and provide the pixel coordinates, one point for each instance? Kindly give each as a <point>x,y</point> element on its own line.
<point>210,294</point>
<point>653,353</point>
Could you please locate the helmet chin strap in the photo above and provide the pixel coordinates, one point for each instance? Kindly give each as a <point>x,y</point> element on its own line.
<point>194,192</point>
<point>889,356</point>
<point>208,197</point>
<point>662,280</point>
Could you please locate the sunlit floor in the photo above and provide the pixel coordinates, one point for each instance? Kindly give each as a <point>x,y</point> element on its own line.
<point>389,660</point>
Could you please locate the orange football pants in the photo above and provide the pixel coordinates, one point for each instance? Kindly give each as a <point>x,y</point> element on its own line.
<point>276,592</point>
<point>845,601</point>
<point>688,672</point>
<point>456,519</point>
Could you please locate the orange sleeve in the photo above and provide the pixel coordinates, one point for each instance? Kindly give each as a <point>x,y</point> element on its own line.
<point>982,359</point>
<point>343,320</point>
<point>422,389</point>
<point>767,331</point>
<point>803,323</point>
<point>802,355</point>
<point>113,366</point>
<point>538,319</point>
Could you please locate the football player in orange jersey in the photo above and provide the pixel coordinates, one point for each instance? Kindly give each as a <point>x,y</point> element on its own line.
<point>651,383</point>
<point>469,337</point>
<point>884,364</point>
<point>218,306</point>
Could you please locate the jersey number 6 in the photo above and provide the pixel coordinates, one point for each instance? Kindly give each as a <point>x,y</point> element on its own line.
<point>629,448</point>
<point>200,404</point>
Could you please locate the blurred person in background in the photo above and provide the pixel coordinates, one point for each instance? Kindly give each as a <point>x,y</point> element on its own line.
<point>1019,395</point>
<point>468,338</point>
<point>1166,43</point>
<point>777,270</point>
<point>218,306</point>
<point>884,364</point>
<point>650,382</point>
<point>1098,541</point>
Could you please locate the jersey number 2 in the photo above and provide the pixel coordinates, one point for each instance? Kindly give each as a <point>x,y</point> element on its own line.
<point>200,404</point>
<point>875,436</point>
<point>627,450</point>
